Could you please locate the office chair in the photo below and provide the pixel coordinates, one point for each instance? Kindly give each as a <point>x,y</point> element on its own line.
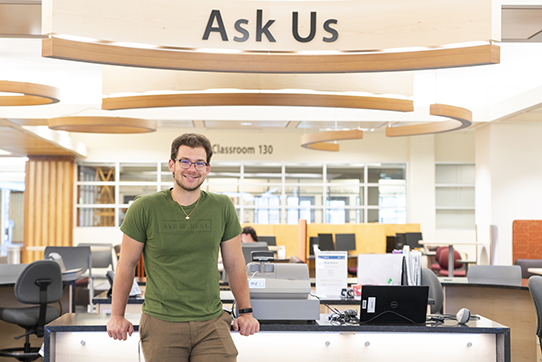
<point>443,262</point>
<point>75,257</point>
<point>435,289</point>
<point>525,264</point>
<point>495,274</point>
<point>39,283</point>
<point>535,288</point>
<point>436,266</point>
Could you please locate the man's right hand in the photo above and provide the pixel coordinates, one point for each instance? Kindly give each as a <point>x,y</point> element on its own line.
<point>119,328</point>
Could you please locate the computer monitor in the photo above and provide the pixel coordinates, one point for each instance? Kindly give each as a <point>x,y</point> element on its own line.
<point>390,244</point>
<point>248,248</point>
<point>270,240</point>
<point>313,240</point>
<point>325,242</point>
<point>399,241</point>
<point>412,240</point>
<point>345,242</point>
<point>393,304</point>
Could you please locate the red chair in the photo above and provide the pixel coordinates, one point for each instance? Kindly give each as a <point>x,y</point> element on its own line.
<point>443,262</point>
<point>435,267</point>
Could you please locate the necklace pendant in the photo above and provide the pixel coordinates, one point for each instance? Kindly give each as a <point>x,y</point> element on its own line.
<point>187,218</point>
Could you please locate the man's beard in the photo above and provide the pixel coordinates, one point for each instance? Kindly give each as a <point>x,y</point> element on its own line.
<point>189,189</point>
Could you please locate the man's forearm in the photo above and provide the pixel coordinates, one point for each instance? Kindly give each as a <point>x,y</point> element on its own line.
<point>124,278</point>
<point>239,287</point>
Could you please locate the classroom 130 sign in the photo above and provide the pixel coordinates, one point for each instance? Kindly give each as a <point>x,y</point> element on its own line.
<point>243,150</point>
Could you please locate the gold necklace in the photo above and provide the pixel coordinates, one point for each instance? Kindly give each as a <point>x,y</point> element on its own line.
<point>191,212</point>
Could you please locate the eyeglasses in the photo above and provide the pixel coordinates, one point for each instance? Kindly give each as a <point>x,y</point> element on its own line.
<point>199,165</point>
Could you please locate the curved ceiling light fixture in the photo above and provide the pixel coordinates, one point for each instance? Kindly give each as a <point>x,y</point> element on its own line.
<point>461,118</point>
<point>268,62</point>
<point>32,94</point>
<point>257,99</point>
<point>102,124</point>
<point>320,141</point>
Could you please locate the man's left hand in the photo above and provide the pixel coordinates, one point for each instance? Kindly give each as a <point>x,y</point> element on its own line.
<point>246,324</point>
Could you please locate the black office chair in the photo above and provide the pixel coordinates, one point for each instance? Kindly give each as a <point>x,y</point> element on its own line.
<point>39,283</point>
<point>535,287</point>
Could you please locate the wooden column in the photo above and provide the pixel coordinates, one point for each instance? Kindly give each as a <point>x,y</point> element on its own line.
<point>302,240</point>
<point>48,204</point>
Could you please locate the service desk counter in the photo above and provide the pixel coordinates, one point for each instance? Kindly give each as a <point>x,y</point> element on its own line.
<point>82,337</point>
<point>508,305</point>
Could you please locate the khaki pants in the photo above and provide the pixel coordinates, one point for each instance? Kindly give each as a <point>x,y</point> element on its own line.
<point>207,341</point>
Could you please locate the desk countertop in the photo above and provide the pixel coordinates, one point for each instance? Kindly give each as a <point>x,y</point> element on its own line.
<point>96,322</point>
<point>463,282</point>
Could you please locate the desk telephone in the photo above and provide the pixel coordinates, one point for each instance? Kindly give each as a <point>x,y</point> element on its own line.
<point>135,287</point>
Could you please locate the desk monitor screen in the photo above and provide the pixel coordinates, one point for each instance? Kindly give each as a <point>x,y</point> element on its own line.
<point>412,240</point>
<point>325,242</point>
<point>270,240</point>
<point>390,244</point>
<point>393,304</point>
<point>313,240</point>
<point>345,242</point>
<point>399,241</point>
<point>248,248</point>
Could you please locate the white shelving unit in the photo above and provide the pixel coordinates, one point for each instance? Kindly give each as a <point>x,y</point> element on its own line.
<point>455,195</point>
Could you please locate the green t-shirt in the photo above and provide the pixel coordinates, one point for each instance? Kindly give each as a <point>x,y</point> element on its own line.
<point>181,256</point>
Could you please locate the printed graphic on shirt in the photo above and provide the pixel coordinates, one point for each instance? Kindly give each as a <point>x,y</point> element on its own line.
<point>173,226</point>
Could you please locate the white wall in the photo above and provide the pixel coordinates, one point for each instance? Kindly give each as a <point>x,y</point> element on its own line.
<point>509,164</point>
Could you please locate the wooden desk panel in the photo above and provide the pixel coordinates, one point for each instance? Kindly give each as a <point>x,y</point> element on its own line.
<point>510,306</point>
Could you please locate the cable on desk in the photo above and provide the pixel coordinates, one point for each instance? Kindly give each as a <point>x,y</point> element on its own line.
<point>347,317</point>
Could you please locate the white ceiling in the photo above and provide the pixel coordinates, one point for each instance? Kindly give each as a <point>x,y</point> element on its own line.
<point>505,92</point>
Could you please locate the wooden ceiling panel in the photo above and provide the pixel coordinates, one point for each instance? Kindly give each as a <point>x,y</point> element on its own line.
<point>23,143</point>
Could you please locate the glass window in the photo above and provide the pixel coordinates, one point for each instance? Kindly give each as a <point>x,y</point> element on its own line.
<point>129,193</point>
<point>225,173</point>
<point>267,210</point>
<point>257,191</point>
<point>375,173</point>
<point>300,208</point>
<point>102,172</point>
<point>387,194</point>
<point>349,173</point>
<point>336,213</point>
<point>138,172</point>
<point>269,174</point>
<point>304,173</point>
<point>96,194</point>
<point>95,217</point>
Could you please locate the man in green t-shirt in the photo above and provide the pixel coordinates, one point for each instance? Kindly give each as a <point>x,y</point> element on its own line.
<point>179,232</point>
